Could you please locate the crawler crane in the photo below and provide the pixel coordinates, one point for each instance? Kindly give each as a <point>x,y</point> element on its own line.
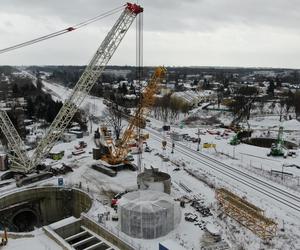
<point>71,105</point>
<point>117,153</point>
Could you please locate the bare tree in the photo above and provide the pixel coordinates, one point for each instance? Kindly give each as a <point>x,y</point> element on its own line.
<point>168,108</point>
<point>114,118</point>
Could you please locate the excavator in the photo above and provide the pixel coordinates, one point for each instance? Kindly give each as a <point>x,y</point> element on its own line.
<point>117,152</point>
<point>278,148</point>
<point>234,125</point>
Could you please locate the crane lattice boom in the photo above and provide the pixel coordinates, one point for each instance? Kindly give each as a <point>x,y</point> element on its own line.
<point>118,153</point>
<point>80,91</point>
<point>18,157</point>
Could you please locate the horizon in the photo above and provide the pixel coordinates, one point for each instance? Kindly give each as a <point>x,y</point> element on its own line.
<point>224,32</point>
<point>154,66</point>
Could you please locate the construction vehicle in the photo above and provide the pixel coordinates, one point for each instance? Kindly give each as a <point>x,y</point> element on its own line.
<point>235,140</point>
<point>148,149</point>
<point>81,145</point>
<point>117,153</point>
<point>78,152</point>
<point>142,136</point>
<point>20,160</point>
<point>277,148</point>
<point>209,145</point>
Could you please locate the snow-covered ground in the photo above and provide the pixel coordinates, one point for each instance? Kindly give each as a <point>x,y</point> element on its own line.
<point>249,158</point>
<point>36,240</point>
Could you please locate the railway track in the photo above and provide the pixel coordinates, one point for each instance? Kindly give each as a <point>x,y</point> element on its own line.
<point>261,186</point>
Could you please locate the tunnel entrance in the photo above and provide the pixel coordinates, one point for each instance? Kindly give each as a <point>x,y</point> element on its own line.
<point>35,207</point>
<point>25,221</point>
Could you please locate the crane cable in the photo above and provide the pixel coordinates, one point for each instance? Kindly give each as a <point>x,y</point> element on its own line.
<point>139,74</point>
<point>63,31</point>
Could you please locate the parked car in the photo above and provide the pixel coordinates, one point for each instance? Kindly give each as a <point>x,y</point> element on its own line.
<point>188,138</point>
<point>148,149</point>
<point>166,127</point>
<point>190,217</point>
<point>184,136</point>
<point>195,139</point>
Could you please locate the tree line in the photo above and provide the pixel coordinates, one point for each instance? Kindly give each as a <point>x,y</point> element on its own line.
<point>168,108</point>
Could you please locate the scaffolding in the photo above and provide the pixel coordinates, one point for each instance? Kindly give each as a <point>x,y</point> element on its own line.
<point>148,214</point>
<point>247,214</point>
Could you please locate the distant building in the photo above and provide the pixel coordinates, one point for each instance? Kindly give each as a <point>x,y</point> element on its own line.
<point>117,72</point>
<point>208,77</point>
<point>194,98</point>
<point>265,73</point>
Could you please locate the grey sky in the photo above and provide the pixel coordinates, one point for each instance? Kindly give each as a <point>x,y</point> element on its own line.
<point>176,32</point>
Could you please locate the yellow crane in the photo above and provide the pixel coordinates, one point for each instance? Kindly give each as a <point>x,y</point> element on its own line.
<point>118,152</point>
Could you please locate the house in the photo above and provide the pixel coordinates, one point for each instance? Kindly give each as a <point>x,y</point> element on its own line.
<point>194,98</point>
<point>68,137</point>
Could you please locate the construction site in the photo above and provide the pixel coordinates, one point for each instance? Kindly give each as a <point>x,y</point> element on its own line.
<point>205,180</point>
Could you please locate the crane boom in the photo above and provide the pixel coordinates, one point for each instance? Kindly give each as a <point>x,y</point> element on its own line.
<point>86,82</point>
<point>147,101</point>
<point>118,153</point>
<point>19,157</point>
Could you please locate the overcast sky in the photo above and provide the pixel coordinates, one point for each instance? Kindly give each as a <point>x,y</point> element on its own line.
<point>264,33</point>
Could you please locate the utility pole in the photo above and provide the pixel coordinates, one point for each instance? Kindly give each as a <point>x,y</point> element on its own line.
<point>198,141</point>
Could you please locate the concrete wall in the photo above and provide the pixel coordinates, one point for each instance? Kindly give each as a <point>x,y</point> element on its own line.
<point>103,232</point>
<point>51,203</point>
<point>69,230</point>
<point>154,180</point>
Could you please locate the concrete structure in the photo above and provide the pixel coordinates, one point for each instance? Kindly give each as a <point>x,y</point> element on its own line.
<point>85,233</point>
<point>148,214</point>
<point>97,153</point>
<point>3,162</point>
<point>154,180</point>
<point>169,245</point>
<point>34,207</point>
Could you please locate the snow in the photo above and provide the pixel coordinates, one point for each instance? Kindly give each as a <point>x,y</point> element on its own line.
<point>33,241</point>
<point>63,222</point>
<point>171,244</point>
<point>248,158</point>
<point>91,104</point>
